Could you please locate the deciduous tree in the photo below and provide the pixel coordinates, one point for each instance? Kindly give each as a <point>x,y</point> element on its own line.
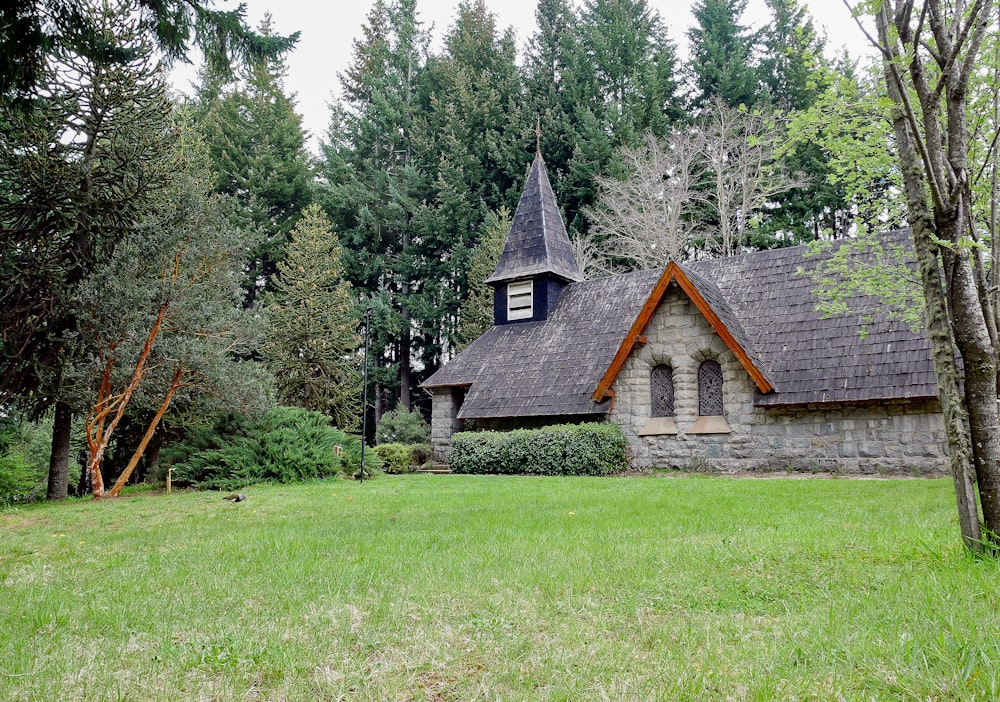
<point>931,50</point>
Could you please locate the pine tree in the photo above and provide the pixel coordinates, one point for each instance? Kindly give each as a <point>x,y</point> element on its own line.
<point>722,57</point>
<point>633,67</point>
<point>794,74</point>
<point>258,151</point>
<point>599,80</point>
<point>472,135</point>
<point>476,315</point>
<point>312,345</point>
<point>791,67</point>
<point>374,187</point>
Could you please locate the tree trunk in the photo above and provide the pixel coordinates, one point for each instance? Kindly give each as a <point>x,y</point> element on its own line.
<point>147,437</point>
<point>973,339</point>
<point>956,419</point>
<point>404,363</point>
<point>922,224</point>
<point>62,427</point>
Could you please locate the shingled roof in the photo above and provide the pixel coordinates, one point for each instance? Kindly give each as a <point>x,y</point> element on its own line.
<point>768,310</point>
<point>537,242</point>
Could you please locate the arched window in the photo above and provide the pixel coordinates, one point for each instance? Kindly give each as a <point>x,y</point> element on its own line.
<point>710,389</point>
<point>661,388</point>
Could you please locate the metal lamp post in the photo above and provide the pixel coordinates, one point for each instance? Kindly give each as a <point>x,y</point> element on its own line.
<point>364,395</point>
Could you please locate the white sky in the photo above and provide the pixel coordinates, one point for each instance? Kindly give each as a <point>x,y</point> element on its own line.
<point>328,28</point>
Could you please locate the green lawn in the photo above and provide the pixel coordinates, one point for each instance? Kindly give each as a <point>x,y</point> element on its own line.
<point>501,588</point>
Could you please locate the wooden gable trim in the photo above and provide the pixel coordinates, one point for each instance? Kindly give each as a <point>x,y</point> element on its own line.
<point>635,336</point>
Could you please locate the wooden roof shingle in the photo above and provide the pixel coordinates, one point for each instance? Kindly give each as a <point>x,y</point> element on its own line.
<point>537,242</point>
<point>759,300</point>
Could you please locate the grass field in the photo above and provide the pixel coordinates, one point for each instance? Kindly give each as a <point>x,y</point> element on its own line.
<point>501,588</point>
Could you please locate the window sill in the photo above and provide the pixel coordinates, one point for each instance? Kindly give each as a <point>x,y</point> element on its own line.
<point>710,425</point>
<point>659,425</point>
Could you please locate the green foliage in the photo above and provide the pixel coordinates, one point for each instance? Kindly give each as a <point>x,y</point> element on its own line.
<point>721,53</point>
<point>258,153</point>
<point>567,449</point>
<point>20,479</point>
<point>867,268</point>
<point>396,458</point>
<point>80,171</point>
<point>313,341</point>
<point>402,426</point>
<point>285,445</point>
<point>31,32</point>
<point>24,459</point>
<point>846,135</point>
<point>476,315</point>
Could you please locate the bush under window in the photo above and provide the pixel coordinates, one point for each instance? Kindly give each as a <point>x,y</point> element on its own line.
<point>565,449</point>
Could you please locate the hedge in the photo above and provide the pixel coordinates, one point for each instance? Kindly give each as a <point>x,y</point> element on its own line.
<point>564,449</point>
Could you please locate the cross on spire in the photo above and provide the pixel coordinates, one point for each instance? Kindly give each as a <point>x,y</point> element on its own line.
<point>538,134</point>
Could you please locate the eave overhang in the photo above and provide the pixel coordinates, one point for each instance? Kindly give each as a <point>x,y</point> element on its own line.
<point>674,273</point>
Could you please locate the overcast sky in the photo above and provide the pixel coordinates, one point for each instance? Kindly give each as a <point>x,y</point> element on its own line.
<point>328,28</point>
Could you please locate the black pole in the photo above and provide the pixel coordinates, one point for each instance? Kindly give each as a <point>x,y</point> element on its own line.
<point>364,395</point>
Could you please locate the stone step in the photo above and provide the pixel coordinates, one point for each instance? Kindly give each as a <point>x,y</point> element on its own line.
<point>434,470</point>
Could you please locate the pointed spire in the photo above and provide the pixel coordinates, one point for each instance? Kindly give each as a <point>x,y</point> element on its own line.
<point>537,242</point>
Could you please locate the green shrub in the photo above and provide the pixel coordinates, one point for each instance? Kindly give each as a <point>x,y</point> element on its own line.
<point>24,459</point>
<point>565,449</point>
<point>396,458</point>
<point>285,445</point>
<point>402,426</point>
<point>20,480</point>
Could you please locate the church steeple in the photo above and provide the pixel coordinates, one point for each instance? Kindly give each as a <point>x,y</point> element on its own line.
<point>537,243</point>
<point>537,261</point>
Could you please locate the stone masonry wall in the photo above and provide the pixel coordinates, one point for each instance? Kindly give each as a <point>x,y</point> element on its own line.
<point>444,422</point>
<point>889,437</point>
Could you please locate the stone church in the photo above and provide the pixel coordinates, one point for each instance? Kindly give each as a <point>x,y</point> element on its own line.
<point>720,365</point>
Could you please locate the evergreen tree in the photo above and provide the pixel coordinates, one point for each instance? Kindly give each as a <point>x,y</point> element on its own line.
<point>373,185</point>
<point>598,81</point>
<point>31,31</point>
<point>476,315</point>
<point>312,345</point>
<point>794,75</point>
<point>722,59</point>
<point>80,169</point>
<point>472,135</point>
<point>791,67</point>
<point>633,66</point>
<point>258,151</point>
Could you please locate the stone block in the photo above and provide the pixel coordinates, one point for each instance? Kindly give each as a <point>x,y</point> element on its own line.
<point>871,449</point>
